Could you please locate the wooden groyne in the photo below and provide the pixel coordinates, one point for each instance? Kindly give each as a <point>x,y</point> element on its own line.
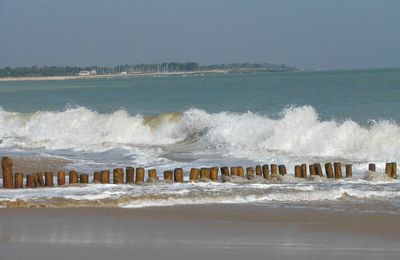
<point>137,175</point>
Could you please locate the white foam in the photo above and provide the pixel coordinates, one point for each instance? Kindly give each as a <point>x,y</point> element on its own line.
<point>296,134</point>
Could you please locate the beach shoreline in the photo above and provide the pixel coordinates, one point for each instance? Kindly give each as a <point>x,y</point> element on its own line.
<point>182,232</point>
<point>106,76</point>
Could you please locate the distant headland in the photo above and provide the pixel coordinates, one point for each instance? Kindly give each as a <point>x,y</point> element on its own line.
<point>157,69</point>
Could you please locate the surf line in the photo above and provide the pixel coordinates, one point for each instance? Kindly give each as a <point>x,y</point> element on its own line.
<point>133,175</point>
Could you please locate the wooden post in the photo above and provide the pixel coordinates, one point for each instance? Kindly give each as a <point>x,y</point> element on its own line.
<point>372,167</point>
<point>329,170</point>
<point>30,181</point>
<point>152,173</point>
<point>388,169</point>
<point>130,175</point>
<point>194,174</point>
<point>105,177</point>
<point>297,171</point>
<point>394,170</point>
<point>48,176</point>
<point>240,171</point>
<point>259,170</point>
<point>118,176</point>
<point>265,170</point>
<point>304,171</point>
<point>250,173</point>
<point>178,175</point>
<point>349,170</point>
<point>318,169</point>
<point>312,170</point>
<point>7,166</point>
<point>214,174</point>
<point>96,177</point>
<point>274,169</point>
<point>205,174</point>
<point>139,175</point>
<point>338,170</point>
<point>282,169</point>
<point>234,171</point>
<point>39,179</point>
<point>73,177</point>
<point>168,176</point>
<point>224,171</point>
<point>84,178</point>
<point>19,180</point>
<point>60,178</point>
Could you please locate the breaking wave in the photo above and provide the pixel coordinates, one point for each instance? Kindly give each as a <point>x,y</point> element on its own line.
<point>297,132</point>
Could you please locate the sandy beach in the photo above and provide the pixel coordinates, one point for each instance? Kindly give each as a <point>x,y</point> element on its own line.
<point>197,232</point>
<point>100,76</point>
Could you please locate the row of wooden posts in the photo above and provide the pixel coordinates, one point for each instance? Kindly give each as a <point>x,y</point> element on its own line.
<point>137,175</point>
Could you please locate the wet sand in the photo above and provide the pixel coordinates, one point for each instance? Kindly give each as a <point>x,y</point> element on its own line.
<point>197,232</point>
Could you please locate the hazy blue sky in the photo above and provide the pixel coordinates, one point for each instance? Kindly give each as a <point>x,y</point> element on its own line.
<point>305,33</point>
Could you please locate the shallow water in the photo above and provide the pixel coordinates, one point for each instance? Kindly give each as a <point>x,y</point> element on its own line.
<point>209,120</point>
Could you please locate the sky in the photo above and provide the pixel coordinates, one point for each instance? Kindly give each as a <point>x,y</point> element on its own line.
<point>314,34</point>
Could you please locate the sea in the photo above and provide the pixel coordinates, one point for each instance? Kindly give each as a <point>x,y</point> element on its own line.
<point>204,120</point>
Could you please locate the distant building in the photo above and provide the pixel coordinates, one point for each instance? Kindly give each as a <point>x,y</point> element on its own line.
<point>93,72</point>
<point>123,73</point>
<point>84,73</point>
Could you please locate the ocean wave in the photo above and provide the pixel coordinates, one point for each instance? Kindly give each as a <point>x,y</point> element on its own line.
<point>136,196</point>
<point>296,133</point>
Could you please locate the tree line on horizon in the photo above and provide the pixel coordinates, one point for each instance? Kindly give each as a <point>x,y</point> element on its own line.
<point>47,71</point>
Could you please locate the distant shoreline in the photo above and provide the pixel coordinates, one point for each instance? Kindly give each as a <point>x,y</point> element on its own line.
<point>102,76</point>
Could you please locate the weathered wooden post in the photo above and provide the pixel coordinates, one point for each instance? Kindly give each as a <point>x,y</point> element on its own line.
<point>274,169</point>
<point>224,171</point>
<point>205,174</point>
<point>168,176</point>
<point>152,173</point>
<point>178,175</point>
<point>130,175</point>
<point>259,170</point>
<point>60,178</point>
<point>329,170</point>
<point>318,169</point>
<point>388,169</point>
<point>372,167</point>
<point>7,166</point>
<point>48,179</point>
<point>304,170</point>
<point>297,171</point>
<point>39,179</point>
<point>139,175</point>
<point>312,170</point>
<point>282,169</point>
<point>30,181</point>
<point>338,170</point>
<point>265,170</point>
<point>118,176</point>
<point>73,177</point>
<point>250,173</point>
<point>84,178</point>
<point>19,180</point>
<point>194,174</point>
<point>214,174</point>
<point>349,170</point>
<point>96,177</point>
<point>105,176</point>
<point>394,170</point>
<point>240,171</point>
<point>234,171</point>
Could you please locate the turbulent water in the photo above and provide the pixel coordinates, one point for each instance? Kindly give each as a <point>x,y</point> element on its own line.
<point>227,120</point>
